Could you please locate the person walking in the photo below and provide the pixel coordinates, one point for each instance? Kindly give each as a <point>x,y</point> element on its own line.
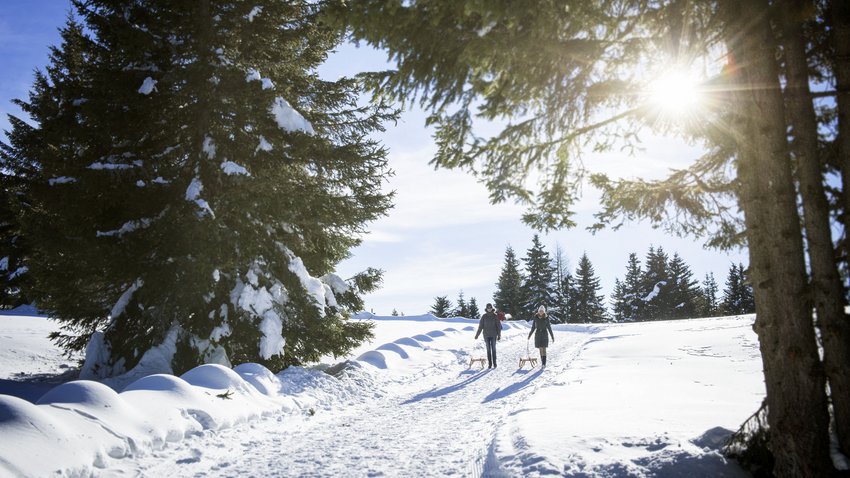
<point>539,328</point>
<point>492,329</point>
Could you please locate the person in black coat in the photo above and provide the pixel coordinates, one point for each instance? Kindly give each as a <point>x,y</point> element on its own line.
<point>492,328</point>
<point>539,327</point>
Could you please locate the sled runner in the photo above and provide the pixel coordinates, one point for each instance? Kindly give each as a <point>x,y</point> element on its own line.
<point>528,359</point>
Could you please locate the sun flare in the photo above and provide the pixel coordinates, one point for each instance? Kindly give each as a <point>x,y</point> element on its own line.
<point>675,94</point>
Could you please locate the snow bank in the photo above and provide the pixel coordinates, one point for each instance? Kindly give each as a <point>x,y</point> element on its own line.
<point>81,426</point>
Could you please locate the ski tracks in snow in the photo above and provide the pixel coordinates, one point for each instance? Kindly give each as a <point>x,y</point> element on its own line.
<point>439,421</point>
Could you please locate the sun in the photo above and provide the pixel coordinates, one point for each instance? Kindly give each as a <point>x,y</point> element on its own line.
<point>675,94</point>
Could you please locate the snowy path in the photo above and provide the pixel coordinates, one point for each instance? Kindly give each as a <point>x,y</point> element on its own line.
<point>437,422</point>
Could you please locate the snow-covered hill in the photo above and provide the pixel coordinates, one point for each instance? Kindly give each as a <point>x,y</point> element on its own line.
<point>643,399</point>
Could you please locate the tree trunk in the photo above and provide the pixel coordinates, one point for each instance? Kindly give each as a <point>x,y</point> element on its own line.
<point>794,378</point>
<point>839,22</point>
<point>826,286</point>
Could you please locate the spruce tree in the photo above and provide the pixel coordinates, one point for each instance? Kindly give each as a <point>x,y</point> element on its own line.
<point>442,307</point>
<point>474,313</point>
<point>709,293</point>
<point>656,282</point>
<point>462,309</point>
<point>508,294</point>
<point>618,301</point>
<point>632,296</point>
<point>562,288</point>
<point>198,181</point>
<point>588,302</point>
<point>738,293</point>
<point>538,286</point>
<point>683,291</point>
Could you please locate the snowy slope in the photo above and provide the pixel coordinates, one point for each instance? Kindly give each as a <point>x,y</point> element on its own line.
<point>624,400</point>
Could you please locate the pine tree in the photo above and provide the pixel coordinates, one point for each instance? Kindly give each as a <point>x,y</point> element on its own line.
<point>563,288</point>
<point>710,302</point>
<point>442,307</point>
<point>656,282</point>
<point>683,291</point>
<point>508,294</point>
<point>198,182</point>
<point>632,296</point>
<point>462,309</point>
<point>394,313</point>
<point>588,302</point>
<point>733,296</point>
<point>748,304</point>
<point>474,313</point>
<point>538,286</point>
<point>618,302</point>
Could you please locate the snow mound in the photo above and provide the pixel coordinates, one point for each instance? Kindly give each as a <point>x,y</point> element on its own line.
<point>82,392</point>
<point>260,377</point>
<point>217,377</point>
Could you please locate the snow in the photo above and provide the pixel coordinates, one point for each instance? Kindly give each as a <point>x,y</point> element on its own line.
<point>230,168</point>
<point>254,75</point>
<point>637,400</point>
<point>148,86</point>
<point>655,291</point>
<point>264,145</point>
<point>315,287</point>
<point>4,264</point>
<point>253,13</point>
<point>193,193</point>
<point>288,119</point>
<point>111,166</point>
<point>18,272</point>
<point>127,227</point>
<point>61,180</point>
<point>209,147</point>
<point>122,302</point>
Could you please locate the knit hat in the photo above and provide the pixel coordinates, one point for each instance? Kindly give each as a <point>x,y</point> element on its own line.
<point>541,309</point>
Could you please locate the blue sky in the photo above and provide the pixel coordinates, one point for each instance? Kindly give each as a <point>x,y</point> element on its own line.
<point>443,236</point>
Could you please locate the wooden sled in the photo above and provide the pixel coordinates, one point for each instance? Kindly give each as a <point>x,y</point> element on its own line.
<point>479,360</point>
<point>530,360</point>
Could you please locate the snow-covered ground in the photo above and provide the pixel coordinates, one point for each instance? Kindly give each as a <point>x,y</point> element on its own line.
<point>647,399</point>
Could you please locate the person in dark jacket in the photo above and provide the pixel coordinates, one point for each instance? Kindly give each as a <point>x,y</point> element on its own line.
<point>492,328</point>
<point>539,328</point>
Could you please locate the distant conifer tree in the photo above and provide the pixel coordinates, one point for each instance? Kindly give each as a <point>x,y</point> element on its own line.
<point>474,313</point>
<point>508,294</point>
<point>538,286</point>
<point>442,307</point>
<point>589,304</point>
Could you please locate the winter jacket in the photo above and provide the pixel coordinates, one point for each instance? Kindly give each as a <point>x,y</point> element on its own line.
<point>490,325</point>
<point>539,327</point>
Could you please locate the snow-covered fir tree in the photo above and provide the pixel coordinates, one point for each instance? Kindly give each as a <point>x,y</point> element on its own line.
<point>589,304</point>
<point>538,286</point>
<point>508,294</point>
<point>442,307</point>
<point>198,182</point>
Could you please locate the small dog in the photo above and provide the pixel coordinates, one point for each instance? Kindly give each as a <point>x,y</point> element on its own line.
<point>530,360</point>
<point>479,360</point>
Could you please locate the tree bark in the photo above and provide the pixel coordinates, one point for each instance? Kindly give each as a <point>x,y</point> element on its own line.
<point>826,285</point>
<point>839,23</point>
<point>794,378</point>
